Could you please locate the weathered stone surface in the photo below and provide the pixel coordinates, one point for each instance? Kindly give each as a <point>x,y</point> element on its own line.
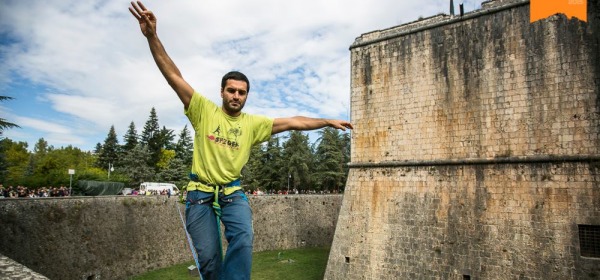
<point>474,150</point>
<point>9,269</point>
<point>114,237</point>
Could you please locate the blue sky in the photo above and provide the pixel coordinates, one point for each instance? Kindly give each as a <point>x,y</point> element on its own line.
<point>77,67</point>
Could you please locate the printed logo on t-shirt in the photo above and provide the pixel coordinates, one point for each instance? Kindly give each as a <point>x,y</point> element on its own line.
<point>229,140</point>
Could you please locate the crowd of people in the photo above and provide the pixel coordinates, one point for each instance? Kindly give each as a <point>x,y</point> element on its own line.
<point>24,192</point>
<point>21,192</point>
<point>293,191</point>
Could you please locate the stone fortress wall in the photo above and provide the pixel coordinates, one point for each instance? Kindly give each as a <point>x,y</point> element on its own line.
<point>475,149</point>
<point>116,237</point>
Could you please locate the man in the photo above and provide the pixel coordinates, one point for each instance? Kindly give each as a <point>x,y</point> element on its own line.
<point>223,139</point>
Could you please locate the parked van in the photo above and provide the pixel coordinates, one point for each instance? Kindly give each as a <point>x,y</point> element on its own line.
<point>158,187</point>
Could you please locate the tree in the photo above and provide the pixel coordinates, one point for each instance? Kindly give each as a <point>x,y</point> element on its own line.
<point>51,170</point>
<point>167,138</point>
<point>134,165</point>
<point>330,160</point>
<point>184,148</point>
<point>130,139</point>
<point>41,148</point>
<point>297,160</point>
<point>14,158</point>
<point>4,124</point>
<point>252,178</point>
<point>271,162</point>
<point>98,149</point>
<point>40,151</point>
<point>173,171</point>
<point>110,150</point>
<point>151,138</point>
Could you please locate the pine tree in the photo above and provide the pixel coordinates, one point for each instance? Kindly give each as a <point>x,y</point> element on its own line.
<point>135,165</point>
<point>184,148</point>
<point>110,150</point>
<point>251,173</point>
<point>297,159</point>
<point>130,138</point>
<point>166,139</point>
<point>272,178</point>
<point>98,149</point>
<point>174,172</point>
<point>151,138</point>
<point>41,147</point>
<point>4,124</point>
<point>330,160</point>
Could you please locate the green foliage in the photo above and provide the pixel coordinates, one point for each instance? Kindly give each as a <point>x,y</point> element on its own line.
<point>130,140</point>
<point>135,165</point>
<point>298,160</point>
<point>251,173</point>
<point>172,169</point>
<point>165,158</point>
<point>110,150</point>
<point>263,170</point>
<point>271,165</point>
<point>14,160</point>
<point>184,148</point>
<point>151,138</point>
<point>166,138</point>
<point>4,124</point>
<point>331,159</point>
<point>45,167</point>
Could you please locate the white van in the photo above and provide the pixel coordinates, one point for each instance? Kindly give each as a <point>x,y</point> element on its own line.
<point>146,187</point>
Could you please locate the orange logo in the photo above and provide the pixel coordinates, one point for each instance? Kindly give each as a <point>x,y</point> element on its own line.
<point>541,9</point>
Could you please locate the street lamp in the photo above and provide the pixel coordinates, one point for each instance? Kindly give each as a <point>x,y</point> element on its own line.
<point>71,172</point>
<point>289,176</point>
<point>110,168</point>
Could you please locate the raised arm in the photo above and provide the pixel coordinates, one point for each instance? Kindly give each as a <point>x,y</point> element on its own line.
<point>304,123</point>
<point>167,67</point>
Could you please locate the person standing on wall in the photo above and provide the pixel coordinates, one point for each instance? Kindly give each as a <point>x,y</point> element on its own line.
<point>223,138</point>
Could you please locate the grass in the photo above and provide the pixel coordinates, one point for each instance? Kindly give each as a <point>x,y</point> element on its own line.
<point>304,263</point>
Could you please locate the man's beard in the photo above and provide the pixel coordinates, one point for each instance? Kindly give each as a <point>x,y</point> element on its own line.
<point>232,109</point>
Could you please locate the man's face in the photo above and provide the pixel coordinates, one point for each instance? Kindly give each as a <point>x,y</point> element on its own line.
<point>234,96</point>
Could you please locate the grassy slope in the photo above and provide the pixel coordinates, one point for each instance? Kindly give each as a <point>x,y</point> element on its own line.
<point>305,264</point>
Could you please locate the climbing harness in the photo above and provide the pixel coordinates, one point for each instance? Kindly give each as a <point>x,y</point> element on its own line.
<point>190,243</point>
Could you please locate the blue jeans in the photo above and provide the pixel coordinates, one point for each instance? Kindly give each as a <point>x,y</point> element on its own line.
<point>201,224</point>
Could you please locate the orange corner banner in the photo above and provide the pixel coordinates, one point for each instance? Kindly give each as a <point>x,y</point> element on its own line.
<point>541,9</point>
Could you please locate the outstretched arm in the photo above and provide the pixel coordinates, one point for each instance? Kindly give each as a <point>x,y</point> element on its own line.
<point>166,66</point>
<point>304,123</point>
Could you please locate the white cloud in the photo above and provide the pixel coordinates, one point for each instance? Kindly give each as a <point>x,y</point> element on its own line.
<point>97,69</point>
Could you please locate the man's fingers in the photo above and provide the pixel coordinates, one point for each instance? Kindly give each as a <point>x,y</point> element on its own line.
<point>139,8</point>
<point>138,17</point>
<point>142,5</point>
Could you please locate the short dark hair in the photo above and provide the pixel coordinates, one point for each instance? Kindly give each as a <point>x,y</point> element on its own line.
<point>235,75</point>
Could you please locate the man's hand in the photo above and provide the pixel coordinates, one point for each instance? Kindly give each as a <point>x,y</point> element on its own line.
<point>145,17</point>
<point>340,124</point>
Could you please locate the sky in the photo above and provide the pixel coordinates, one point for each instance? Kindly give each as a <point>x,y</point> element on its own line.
<point>76,68</point>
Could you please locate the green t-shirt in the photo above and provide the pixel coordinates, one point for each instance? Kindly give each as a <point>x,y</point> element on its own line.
<point>222,143</point>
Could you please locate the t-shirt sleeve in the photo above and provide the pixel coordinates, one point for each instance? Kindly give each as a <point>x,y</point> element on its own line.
<point>263,126</point>
<point>194,111</point>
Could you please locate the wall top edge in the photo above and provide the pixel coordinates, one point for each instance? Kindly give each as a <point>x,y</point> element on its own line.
<point>487,7</point>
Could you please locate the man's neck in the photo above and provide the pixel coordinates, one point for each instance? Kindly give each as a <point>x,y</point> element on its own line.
<point>231,114</point>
